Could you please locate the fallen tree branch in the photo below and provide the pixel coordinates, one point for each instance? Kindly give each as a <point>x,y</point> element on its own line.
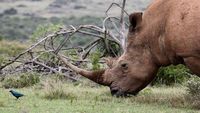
<point>43,55</point>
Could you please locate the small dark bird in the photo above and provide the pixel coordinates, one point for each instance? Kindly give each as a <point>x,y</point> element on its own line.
<point>16,94</point>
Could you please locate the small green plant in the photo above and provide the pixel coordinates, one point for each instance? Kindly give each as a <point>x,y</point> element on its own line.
<point>193,88</point>
<point>54,90</point>
<point>95,57</point>
<point>22,80</point>
<point>109,48</point>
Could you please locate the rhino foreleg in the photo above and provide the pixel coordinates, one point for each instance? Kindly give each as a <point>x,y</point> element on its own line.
<point>193,63</point>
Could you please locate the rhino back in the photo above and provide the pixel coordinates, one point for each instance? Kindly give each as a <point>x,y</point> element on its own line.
<point>174,25</point>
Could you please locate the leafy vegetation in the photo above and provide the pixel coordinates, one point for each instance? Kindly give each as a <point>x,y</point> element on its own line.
<point>10,49</point>
<point>20,81</point>
<point>105,51</point>
<point>95,58</point>
<point>171,75</point>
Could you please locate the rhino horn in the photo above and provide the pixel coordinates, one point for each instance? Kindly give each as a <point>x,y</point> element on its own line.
<point>96,76</point>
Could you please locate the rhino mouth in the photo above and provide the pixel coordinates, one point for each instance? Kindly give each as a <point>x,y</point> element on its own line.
<point>118,93</point>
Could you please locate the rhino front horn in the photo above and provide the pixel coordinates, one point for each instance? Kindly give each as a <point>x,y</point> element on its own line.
<point>96,76</point>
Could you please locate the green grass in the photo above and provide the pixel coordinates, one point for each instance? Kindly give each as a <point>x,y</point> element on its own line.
<point>94,100</point>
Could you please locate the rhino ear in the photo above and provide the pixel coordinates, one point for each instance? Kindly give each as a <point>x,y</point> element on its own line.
<point>135,19</point>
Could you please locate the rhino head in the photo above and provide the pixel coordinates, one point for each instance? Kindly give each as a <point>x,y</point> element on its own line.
<point>132,71</point>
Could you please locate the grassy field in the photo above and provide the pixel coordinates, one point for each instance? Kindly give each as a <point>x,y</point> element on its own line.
<point>86,99</point>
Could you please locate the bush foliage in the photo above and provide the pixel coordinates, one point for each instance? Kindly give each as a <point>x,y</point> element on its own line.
<point>171,75</point>
<point>22,80</point>
<point>10,49</point>
<point>95,57</point>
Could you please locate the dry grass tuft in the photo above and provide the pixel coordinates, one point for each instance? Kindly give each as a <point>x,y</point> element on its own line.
<point>2,104</point>
<point>193,92</point>
<point>170,96</point>
<point>55,90</point>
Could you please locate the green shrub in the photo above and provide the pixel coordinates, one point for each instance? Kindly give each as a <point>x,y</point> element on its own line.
<point>95,57</point>
<point>22,80</point>
<point>9,49</point>
<point>112,50</point>
<point>193,89</point>
<point>171,75</point>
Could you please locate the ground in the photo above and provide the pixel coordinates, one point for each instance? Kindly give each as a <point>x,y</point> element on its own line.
<point>85,99</point>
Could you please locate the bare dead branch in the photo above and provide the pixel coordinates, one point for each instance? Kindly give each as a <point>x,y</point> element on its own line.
<point>116,4</point>
<point>45,55</point>
<point>122,26</point>
<point>54,70</point>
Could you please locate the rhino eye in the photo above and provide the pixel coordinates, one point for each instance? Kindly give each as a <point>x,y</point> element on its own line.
<point>124,65</point>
